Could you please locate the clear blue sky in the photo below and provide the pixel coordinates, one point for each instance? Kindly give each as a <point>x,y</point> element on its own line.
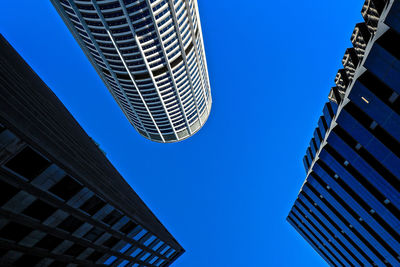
<point>225,192</point>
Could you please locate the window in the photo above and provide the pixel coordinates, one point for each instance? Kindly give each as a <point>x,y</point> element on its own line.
<point>28,163</point>
<point>153,260</point>
<point>145,256</point>
<point>39,210</point>
<point>7,191</point>
<point>169,253</point>
<point>158,245</point>
<point>112,218</point>
<point>164,250</point>
<point>159,263</point>
<point>71,224</point>
<point>148,241</point>
<point>49,242</point>
<point>110,260</point>
<point>136,252</point>
<point>58,264</point>
<point>122,264</point>
<point>111,242</point>
<point>92,205</point>
<point>75,250</point>
<point>27,260</point>
<point>140,234</point>
<point>66,188</point>
<point>93,234</point>
<point>125,248</point>
<point>95,256</point>
<point>15,231</point>
<point>128,227</point>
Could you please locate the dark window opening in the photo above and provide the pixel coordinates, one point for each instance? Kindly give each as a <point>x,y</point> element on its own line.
<point>95,256</point>
<point>390,41</point>
<point>39,210</point>
<point>189,48</point>
<point>66,188</point>
<point>381,134</point>
<point>93,234</point>
<point>15,231</point>
<point>58,264</point>
<point>7,191</point>
<point>111,242</point>
<point>71,224</point>
<point>28,163</point>
<point>380,89</point>
<point>309,239</point>
<point>315,237</point>
<point>176,61</point>
<point>322,235</point>
<point>354,214</point>
<point>112,218</point>
<point>92,205</point>
<point>333,223</point>
<point>27,260</point>
<point>128,227</point>
<point>49,242</point>
<point>75,250</point>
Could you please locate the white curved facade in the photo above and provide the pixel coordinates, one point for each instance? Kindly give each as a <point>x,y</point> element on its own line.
<point>150,55</point>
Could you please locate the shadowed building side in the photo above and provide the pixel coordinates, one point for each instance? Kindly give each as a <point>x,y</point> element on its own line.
<point>61,200</point>
<point>348,208</point>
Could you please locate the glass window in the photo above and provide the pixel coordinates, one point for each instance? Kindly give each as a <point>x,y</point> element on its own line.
<point>164,250</point>
<point>122,264</point>
<point>160,262</point>
<point>93,234</point>
<point>153,260</point>
<point>28,163</point>
<point>39,210</point>
<point>140,234</point>
<point>66,188</point>
<point>112,241</point>
<point>148,241</point>
<point>70,224</point>
<point>49,242</point>
<point>92,205</point>
<point>169,253</point>
<point>75,250</point>
<point>95,256</point>
<point>15,231</point>
<point>145,256</point>
<point>112,217</point>
<point>27,260</point>
<point>128,227</point>
<point>110,260</point>
<point>136,252</point>
<point>125,248</point>
<point>7,191</point>
<point>158,245</point>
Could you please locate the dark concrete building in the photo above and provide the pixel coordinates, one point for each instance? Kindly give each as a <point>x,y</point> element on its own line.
<point>62,203</point>
<point>348,208</point>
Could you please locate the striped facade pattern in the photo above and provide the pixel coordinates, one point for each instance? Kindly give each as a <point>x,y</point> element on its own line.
<point>348,208</point>
<point>62,203</point>
<point>150,55</point>
<point>49,218</point>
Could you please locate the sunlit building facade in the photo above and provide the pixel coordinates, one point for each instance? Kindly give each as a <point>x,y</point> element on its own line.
<point>150,55</point>
<point>62,203</point>
<point>348,208</point>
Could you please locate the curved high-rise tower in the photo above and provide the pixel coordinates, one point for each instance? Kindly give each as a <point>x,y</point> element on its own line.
<point>150,55</point>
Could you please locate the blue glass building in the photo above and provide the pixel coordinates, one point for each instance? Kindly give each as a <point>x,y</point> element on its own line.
<point>348,208</point>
